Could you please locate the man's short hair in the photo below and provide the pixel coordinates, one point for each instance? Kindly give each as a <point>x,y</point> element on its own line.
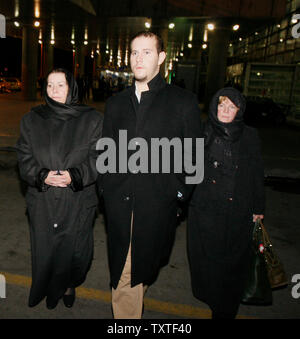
<point>148,34</point>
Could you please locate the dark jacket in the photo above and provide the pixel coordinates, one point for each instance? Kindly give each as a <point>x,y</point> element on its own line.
<point>220,218</point>
<point>164,111</point>
<point>61,219</point>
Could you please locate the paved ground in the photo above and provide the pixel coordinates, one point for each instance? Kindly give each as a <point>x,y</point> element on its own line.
<point>170,297</point>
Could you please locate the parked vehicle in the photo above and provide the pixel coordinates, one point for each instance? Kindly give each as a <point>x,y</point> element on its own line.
<point>3,86</point>
<point>14,84</point>
<point>262,110</point>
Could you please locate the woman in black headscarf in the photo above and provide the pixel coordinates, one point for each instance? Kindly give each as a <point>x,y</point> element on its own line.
<point>225,205</point>
<point>57,158</point>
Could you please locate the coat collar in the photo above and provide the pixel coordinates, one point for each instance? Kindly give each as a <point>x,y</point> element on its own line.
<point>155,84</point>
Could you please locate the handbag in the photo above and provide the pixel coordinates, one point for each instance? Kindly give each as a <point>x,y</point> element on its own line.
<point>257,289</point>
<point>276,272</point>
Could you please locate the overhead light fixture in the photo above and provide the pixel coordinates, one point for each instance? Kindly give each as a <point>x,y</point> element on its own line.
<point>236,27</point>
<point>72,42</point>
<point>147,24</point>
<point>190,45</point>
<point>204,46</point>
<point>85,42</point>
<point>171,25</point>
<point>211,27</point>
<point>37,24</point>
<point>17,24</point>
<point>52,42</point>
<point>240,39</point>
<point>40,42</point>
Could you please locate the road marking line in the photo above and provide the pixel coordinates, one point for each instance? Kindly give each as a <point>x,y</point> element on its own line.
<point>179,310</point>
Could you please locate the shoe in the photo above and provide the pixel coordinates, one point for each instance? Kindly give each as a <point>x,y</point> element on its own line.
<point>51,304</point>
<point>69,298</point>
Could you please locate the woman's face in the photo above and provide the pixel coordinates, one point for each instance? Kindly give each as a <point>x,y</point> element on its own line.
<point>227,110</point>
<point>57,87</point>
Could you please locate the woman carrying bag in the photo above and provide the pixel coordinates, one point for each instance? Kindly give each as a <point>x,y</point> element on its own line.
<point>225,206</point>
<point>57,159</point>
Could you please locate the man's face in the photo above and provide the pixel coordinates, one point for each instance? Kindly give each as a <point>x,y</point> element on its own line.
<point>144,59</point>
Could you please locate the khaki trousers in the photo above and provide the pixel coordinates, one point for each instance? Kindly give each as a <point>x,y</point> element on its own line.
<point>127,301</point>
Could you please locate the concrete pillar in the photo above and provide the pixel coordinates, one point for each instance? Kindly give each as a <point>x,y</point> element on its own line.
<point>217,62</point>
<point>160,27</point>
<point>80,59</point>
<point>48,57</point>
<point>29,62</point>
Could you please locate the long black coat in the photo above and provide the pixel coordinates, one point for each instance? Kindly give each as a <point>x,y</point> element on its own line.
<point>60,220</point>
<point>220,225</point>
<point>164,111</point>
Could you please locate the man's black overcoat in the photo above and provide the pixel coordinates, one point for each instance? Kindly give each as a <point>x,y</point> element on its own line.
<point>164,111</point>
<point>61,220</point>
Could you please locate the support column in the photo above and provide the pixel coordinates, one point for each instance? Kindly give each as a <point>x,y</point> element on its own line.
<point>160,27</point>
<point>29,62</point>
<point>49,56</point>
<point>217,62</point>
<point>80,52</point>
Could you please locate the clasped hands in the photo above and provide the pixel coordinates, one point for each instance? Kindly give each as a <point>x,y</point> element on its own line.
<point>58,178</point>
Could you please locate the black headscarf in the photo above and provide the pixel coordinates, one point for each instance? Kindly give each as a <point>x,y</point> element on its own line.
<point>70,109</point>
<point>229,131</point>
<point>222,139</point>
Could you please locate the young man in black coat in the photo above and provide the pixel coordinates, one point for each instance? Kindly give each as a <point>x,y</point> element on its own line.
<point>141,206</point>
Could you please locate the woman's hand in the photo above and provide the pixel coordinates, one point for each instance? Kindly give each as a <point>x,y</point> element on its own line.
<point>58,180</point>
<point>257,216</point>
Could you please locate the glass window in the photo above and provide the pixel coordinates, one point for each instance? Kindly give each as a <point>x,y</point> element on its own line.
<point>274,38</point>
<point>280,58</point>
<point>271,50</point>
<point>280,47</point>
<point>288,57</point>
<point>297,55</point>
<point>282,34</point>
<point>284,23</point>
<point>290,44</point>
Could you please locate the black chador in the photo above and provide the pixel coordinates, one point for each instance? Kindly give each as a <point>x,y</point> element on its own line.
<point>58,136</point>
